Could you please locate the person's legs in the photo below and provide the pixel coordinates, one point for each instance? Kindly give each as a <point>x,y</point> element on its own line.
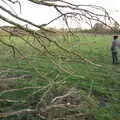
<point>114,58</point>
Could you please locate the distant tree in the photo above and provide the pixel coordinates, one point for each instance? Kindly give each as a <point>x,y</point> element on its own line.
<point>98,26</point>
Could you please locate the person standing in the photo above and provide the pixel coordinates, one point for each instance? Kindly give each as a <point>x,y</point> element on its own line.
<point>114,50</point>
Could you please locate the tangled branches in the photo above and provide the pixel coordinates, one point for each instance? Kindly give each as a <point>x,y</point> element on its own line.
<point>65,106</point>
<point>48,100</point>
<point>66,10</point>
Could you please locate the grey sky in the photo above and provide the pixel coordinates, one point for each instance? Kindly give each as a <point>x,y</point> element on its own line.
<point>42,14</point>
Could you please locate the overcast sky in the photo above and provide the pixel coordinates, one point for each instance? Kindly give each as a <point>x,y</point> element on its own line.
<point>42,14</point>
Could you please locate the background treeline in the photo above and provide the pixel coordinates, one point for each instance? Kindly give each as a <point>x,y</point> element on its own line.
<point>98,28</point>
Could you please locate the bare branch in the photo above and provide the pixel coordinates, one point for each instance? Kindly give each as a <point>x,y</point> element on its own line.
<point>5,115</point>
<point>20,89</point>
<point>37,35</point>
<point>18,2</point>
<point>13,48</point>
<point>9,6</point>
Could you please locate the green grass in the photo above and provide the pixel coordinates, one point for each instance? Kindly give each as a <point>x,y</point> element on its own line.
<point>102,83</point>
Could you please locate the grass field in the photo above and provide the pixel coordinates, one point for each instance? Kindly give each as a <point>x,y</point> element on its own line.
<point>21,77</point>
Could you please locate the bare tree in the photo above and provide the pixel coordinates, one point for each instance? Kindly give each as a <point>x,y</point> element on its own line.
<point>66,10</point>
